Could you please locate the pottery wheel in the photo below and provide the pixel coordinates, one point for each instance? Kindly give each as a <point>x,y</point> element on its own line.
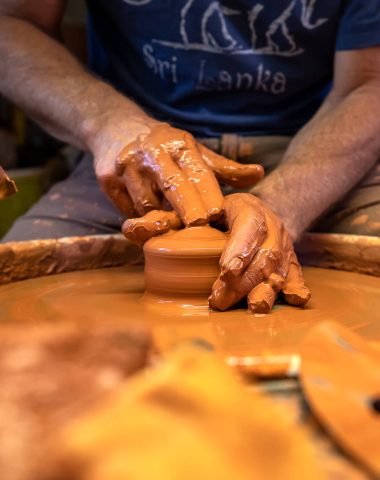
<point>117,294</point>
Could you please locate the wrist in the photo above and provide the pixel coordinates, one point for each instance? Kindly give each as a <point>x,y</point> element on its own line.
<point>113,122</point>
<point>278,204</point>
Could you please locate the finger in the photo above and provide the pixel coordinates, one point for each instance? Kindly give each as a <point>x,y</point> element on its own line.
<point>232,173</point>
<point>247,224</point>
<point>124,156</point>
<point>276,281</point>
<point>228,291</point>
<point>180,193</point>
<point>115,189</point>
<point>198,172</point>
<point>156,222</point>
<point>262,266</point>
<point>223,296</point>
<point>261,298</point>
<point>140,188</point>
<point>295,291</point>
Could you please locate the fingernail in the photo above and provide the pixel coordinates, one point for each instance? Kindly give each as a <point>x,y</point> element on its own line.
<point>235,266</point>
<point>196,223</point>
<point>297,296</point>
<point>215,300</point>
<point>259,306</point>
<point>140,234</point>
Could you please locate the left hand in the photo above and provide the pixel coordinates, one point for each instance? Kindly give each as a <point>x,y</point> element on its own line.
<point>258,261</point>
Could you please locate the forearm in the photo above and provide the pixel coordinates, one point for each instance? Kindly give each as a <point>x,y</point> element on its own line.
<point>326,159</point>
<point>50,85</point>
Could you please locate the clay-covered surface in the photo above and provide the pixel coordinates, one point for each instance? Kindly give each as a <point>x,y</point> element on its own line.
<point>53,374</point>
<point>117,294</point>
<point>114,298</point>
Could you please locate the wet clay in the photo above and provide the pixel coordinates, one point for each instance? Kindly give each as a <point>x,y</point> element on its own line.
<point>169,162</point>
<point>257,263</point>
<point>24,260</point>
<point>242,338</point>
<point>169,159</point>
<point>183,263</point>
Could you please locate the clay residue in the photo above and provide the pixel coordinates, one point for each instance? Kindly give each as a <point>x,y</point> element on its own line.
<point>357,253</point>
<point>21,260</point>
<point>117,293</point>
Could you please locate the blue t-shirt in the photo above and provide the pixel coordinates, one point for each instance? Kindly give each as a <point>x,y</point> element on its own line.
<point>253,67</point>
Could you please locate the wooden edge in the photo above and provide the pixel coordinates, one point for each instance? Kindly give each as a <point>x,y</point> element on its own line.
<point>22,260</point>
<point>357,253</point>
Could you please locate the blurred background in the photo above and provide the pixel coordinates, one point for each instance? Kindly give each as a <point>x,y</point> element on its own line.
<point>30,156</point>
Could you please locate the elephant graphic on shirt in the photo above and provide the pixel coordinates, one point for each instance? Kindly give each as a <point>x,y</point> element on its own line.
<point>137,3</point>
<point>193,31</point>
<point>206,26</point>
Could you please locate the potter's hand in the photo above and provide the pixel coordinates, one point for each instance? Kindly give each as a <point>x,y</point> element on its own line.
<point>165,162</point>
<point>258,261</point>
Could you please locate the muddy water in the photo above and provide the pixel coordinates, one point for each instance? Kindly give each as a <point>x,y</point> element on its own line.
<point>116,294</point>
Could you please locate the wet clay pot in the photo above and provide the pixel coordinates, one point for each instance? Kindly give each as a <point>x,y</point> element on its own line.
<point>184,262</point>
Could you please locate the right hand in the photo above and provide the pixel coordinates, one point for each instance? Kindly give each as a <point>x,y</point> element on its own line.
<point>258,261</point>
<point>162,166</point>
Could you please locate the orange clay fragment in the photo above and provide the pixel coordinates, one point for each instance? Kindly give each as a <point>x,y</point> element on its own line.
<point>7,186</point>
<point>188,419</point>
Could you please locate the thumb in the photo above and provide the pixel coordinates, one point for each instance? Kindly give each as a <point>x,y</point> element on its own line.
<point>156,222</point>
<point>116,191</point>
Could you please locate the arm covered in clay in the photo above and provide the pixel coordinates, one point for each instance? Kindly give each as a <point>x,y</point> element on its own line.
<point>156,160</point>
<point>332,153</point>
